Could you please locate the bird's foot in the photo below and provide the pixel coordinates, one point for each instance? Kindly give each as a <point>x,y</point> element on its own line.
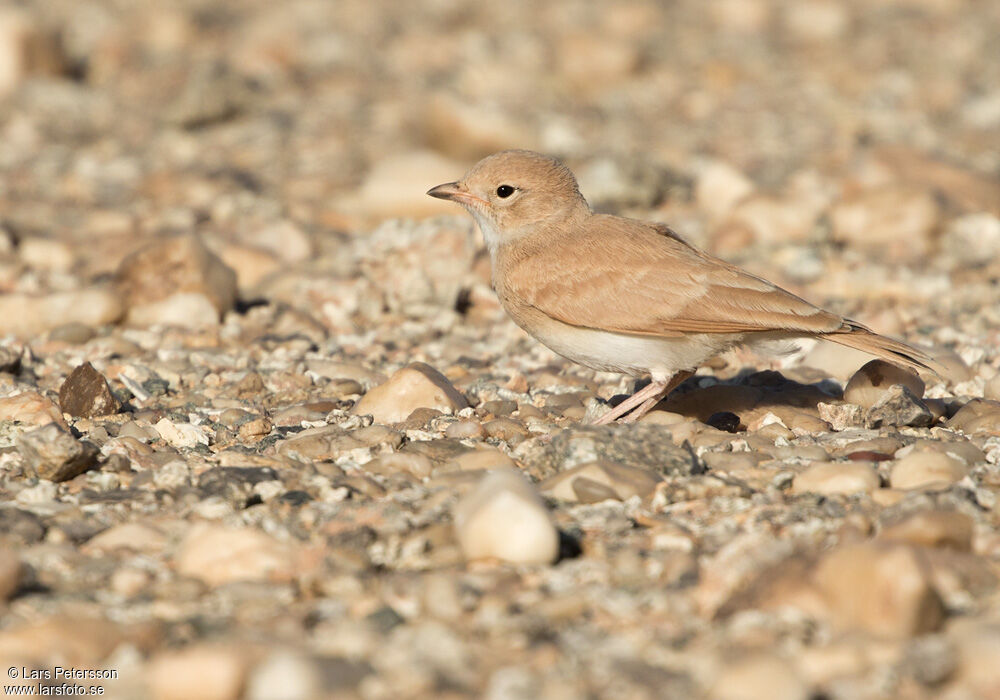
<point>642,401</point>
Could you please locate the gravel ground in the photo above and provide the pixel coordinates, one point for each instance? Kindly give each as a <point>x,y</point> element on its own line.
<point>266,433</point>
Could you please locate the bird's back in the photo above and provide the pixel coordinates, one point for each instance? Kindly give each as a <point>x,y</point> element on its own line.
<point>624,275</point>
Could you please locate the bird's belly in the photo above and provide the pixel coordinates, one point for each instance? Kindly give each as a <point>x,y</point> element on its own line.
<point>621,352</point>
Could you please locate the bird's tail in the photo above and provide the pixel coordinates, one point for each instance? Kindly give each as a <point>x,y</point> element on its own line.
<point>856,336</point>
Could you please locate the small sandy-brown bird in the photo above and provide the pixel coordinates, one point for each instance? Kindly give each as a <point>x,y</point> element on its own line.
<point>628,296</point>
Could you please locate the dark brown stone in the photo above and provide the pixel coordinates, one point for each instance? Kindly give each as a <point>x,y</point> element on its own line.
<point>86,393</point>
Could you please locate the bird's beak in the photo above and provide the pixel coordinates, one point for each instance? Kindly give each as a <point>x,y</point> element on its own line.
<point>448,190</point>
<point>454,192</point>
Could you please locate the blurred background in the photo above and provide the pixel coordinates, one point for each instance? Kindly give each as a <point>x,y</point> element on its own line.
<point>809,140</point>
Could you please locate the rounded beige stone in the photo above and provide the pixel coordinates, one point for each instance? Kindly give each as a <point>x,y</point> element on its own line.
<point>486,458</point>
<point>395,186</point>
<point>134,536</point>
<point>504,518</point>
<point>200,671</point>
<point>883,589</point>
<point>464,429</point>
<point>837,478</point>
<point>597,481</point>
<point>417,385</point>
<point>759,677</point>
<point>30,315</point>
<point>933,528</point>
<point>926,470</point>
<point>394,462</point>
<point>129,581</point>
<point>991,390</point>
<point>872,381</point>
<point>219,555</point>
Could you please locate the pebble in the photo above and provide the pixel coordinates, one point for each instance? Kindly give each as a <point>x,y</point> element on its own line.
<point>841,416</point>
<point>882,589</point>
<point>991,390</point>
<point>759,677</point>
<point>834,360</point>
<point>255,429</point>
<point>933,528</point>
<point>53,454</point>
<point>46,254</point>
<point>719,187</point>
<point>130,582</point>
<point>816,21</point>
<point>203,671</point>
<point>770,219</point>
<point>10,359</point>
<point>415,464</point>
<point>869,385</point>
<point>284,675</point>
<point>333,369</point>
<point>960,449</point>
<point>643,445</point>
<point>132,536</point>
<point>464,429</point>
<point>504,518</point>
<point>740,16</point>
<point>11,573</point>
<point>598,481</point>
<point>175,281</point>
<point>419,267</point>
<point>26,47</point>
<point>977,644</point>
<point>926,470</point>
<point>30,408</point>
<point>590,62</point>
<point>972,239</point>
<point>418,385</point>
<point>507,429</point>
<point>74,333</point>
<point>895,221</point>
<point>179,434</point>
<point>395,185</point>
<point>615,183</point>
<point>977,417</point>
<point>470,131</point>
<point>219,555</point>
<point>28,316</point>
<point>184,310</point>
<point>330,442</point>
<point>484,458</point>
<point>251,265</point>
<point>49,640</point>
<point>837,478</point>
<point>86,393</point>
<point>898,407</point>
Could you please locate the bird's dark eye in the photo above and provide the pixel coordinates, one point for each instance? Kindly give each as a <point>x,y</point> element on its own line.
<point>504,191</point>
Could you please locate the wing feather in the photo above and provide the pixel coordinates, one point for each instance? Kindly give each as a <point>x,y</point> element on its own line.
<point>628,276</point>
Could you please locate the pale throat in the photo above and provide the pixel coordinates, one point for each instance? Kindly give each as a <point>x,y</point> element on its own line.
<point>494,237</point>
<point>491,234</point>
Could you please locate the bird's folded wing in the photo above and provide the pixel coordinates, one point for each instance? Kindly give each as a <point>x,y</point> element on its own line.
<point>631,277</point>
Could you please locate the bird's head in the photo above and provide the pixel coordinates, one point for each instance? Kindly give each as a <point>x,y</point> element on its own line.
<point>513,193</point>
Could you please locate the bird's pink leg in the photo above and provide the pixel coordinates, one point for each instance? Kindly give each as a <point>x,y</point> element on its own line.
<point>648,404</point>
<point>645,399</point>
<point>652,390</point>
